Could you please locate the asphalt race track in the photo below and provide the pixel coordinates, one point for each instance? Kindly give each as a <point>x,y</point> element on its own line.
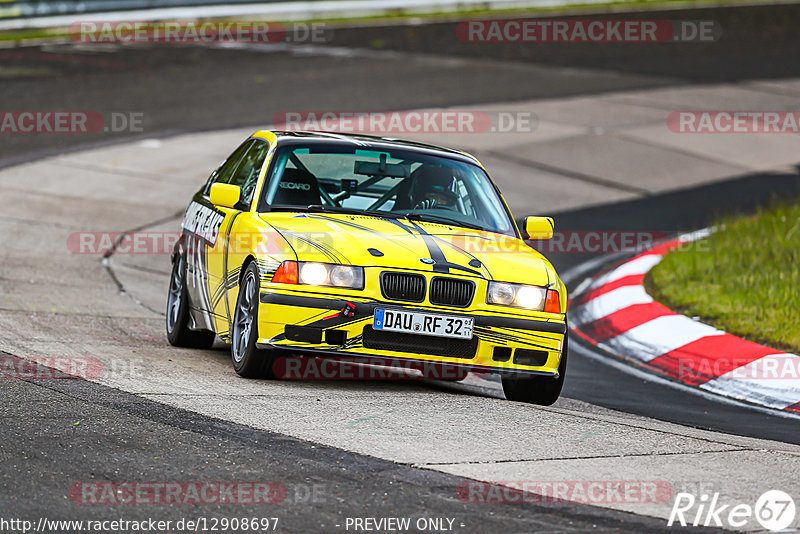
<point>61,432</point>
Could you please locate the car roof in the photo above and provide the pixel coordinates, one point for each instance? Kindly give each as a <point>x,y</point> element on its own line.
<point>285,137</point>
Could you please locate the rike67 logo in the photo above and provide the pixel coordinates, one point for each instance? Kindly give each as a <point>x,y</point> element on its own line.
<point>774,510</point>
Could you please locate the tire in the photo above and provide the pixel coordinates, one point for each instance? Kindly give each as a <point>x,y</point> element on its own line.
<point>249,361</point>
<point>540,390</point>
<point>178,332</point>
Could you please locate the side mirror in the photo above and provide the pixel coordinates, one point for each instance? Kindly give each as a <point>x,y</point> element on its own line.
<point>225,195</point>
<point>539,227</point>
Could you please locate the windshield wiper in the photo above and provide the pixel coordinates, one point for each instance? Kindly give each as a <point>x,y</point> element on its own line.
<point>426,217</point>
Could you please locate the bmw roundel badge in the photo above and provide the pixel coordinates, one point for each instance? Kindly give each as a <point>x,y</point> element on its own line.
<point>427,261</point>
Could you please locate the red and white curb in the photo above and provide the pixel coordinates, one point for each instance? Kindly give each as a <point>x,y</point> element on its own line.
<point>614,312</point>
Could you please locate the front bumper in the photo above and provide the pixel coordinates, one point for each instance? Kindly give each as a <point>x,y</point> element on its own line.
<point>337,327</point>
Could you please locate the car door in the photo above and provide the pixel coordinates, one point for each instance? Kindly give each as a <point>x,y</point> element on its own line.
<point>239,228</point>
<point>204,223</point>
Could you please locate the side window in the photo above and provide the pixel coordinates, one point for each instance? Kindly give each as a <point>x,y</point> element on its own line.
<point>227,169</point>
<point>246,175</point>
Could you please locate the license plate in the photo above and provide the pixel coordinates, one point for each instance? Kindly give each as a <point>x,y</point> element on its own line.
<point>428,324</point>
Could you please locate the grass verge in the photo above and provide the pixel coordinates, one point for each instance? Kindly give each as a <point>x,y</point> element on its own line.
<point>744,278</point>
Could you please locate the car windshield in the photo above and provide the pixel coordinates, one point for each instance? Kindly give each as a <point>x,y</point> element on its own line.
<point>388,183</point>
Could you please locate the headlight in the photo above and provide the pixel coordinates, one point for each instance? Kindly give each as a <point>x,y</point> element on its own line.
<point>346,276</point>
<point>531,297</point>
<point>520,296</point>
<point>500,293</point>
<point>313,274</point>
<point>324,274</point>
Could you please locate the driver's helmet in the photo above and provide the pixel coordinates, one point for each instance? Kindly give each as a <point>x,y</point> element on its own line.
<point>434,187</point>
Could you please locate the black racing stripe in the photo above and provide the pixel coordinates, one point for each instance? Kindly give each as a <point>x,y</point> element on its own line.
<point>364,309</point>
<point>515,337</point>
<point>491,339</point>
<point>231,281</point>
<point>471,256</point>
<point>458,267</point>
<point>343,223</point>
<point>203,255</point>
<point>331,255</point>
<point>521,324</point>
<point>338,321</point>
<point>504,341</point>
<point>354,342</point>
<point>401,225</point>
<point>444,265</point>
<point>267,268</point>
<point>317,316</point>
<point>440,261</point>
<point>217,296</point>
<point>435,252</point>
<point>305,301</point>
<point>489,335</point>
<point>328,252</point>
<point>316,302</point>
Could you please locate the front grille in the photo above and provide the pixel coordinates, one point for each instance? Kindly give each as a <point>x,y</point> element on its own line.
<point>403,286</point>
<point>451,292</point>
<point>419,344</point>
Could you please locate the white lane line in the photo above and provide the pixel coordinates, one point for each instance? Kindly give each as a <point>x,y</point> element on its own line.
<point>609,303</point>
<point>659,336</point>
<point>773,381</point>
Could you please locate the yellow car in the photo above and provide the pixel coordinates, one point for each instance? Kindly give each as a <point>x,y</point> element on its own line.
<point>366,249</point>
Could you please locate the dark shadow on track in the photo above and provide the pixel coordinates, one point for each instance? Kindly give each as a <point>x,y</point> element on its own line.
<point>122,437</point>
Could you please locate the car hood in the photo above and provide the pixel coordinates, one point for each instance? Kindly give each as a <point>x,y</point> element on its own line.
<point>401,244</point>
